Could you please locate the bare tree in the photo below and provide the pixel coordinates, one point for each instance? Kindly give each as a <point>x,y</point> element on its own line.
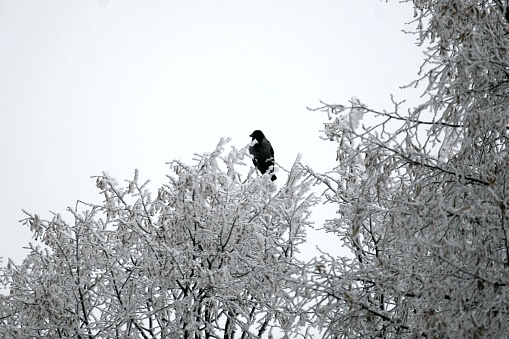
<point>422,195</point>
<point>210,256</point>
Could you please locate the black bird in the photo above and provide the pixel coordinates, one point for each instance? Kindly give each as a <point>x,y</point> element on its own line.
<point>263,153</point>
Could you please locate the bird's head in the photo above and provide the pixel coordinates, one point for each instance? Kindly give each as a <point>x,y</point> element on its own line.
<point>258,135</point>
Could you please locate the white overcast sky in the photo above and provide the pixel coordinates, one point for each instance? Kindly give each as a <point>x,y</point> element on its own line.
<point>114,85</point>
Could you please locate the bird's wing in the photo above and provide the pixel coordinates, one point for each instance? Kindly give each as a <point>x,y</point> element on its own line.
<point>267,147</point>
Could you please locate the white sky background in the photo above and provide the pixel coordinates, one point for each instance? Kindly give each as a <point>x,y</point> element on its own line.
<point>92,86</point>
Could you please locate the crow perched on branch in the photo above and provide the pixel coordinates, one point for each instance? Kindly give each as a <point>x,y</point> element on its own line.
<point>263,153</point>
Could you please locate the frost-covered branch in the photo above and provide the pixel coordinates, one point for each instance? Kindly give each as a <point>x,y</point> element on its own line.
<point>212,256</point>
<point>421,196</point>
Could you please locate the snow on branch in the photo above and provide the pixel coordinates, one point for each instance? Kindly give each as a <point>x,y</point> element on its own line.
<point>211,255</point>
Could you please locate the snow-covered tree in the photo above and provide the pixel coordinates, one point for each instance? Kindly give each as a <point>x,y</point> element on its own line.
<point>210,256</point>
<point>422,194</point>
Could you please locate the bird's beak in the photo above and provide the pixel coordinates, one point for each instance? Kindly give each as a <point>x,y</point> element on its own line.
<point>251,135</point>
